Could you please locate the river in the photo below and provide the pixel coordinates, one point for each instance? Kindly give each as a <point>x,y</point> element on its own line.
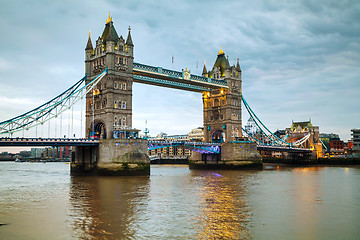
<point>42,201</point>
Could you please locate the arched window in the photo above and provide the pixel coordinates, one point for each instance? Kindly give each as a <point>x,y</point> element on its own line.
<point>123,105</point>
<point>123,123</point>
<point>124,86</point>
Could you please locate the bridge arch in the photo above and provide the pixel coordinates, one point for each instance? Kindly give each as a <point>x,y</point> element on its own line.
<point>218,136</point>
<point>98,131</point>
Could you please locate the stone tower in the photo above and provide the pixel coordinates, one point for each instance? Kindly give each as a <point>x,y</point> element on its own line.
<point>222,108</point>
<point>109,106</point>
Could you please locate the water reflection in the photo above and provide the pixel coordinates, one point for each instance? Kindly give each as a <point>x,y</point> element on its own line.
<point>103,207</point>
<point>225,213</point>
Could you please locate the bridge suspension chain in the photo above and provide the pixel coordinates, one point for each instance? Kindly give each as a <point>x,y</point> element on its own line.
<point>50,109</point>
<point>272,137</point>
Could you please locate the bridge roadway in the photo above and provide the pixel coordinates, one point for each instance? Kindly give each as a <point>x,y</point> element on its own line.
<point>34,142</point>
<point>201,147</point>
<point>283,149</point>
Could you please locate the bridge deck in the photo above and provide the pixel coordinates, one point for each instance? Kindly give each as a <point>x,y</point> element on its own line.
<point>32,142</point>
<point>283,149</point>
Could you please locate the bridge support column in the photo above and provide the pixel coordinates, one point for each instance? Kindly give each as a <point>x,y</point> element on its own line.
<point>84,160</point>
<point>232,156</point>
<point>115,157</point>
<point>123,157</point>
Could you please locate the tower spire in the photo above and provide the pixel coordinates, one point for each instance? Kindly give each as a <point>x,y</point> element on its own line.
<point>129,40</point>
<point>89,45</point>
<point>205,72</point>
<point>238,65</point>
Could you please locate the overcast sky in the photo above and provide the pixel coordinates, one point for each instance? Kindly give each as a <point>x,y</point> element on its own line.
<point>299,59</point>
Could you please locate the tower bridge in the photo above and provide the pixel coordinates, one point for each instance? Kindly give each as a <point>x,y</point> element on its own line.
<point>112,146</point>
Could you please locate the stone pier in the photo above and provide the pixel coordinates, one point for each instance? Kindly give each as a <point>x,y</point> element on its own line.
<point>242,155</point>
<point>113,157</point>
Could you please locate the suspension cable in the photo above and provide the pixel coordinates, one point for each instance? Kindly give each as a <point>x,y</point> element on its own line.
<point>72,120</point>
<point>81,125</point>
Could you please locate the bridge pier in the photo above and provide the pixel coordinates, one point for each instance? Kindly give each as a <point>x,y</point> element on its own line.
<point>113,157</point>
<point>84,160</point>
<point>241,155</point>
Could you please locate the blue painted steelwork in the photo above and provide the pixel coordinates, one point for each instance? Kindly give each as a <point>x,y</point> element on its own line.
<point>169,83</point>
<point>50,109</point>
<point>174,79</point>
<point>283,149</point>
<point>209,148</point>
<point>275,139</point>
<point>32,142</point>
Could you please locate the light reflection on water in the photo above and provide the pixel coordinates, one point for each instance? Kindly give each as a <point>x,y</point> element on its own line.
<point>42,201</point>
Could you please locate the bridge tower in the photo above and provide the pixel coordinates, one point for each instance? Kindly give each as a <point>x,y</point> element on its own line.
<point>109,106</point>
<point>222,122</point>
<point>222,107</point>
<point>109,110</point>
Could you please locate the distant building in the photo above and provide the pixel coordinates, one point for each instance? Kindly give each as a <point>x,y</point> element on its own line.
<point>337,147</point>
<point>326,138</point>
<point>64,152</point>
<point>280,133</point>
<point>196,134</point>
<point>25,154</point>
<point>300,130</point>
<point>36,152</point>
<point>251,127</point>
<point>355,139</point>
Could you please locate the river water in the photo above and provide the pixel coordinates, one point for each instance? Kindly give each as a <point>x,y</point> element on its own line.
<point>42,201</point>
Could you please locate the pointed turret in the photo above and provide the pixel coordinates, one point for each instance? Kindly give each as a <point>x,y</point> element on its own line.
<point>221,63</point>
<point>204,72</point>
<point>89,45</point>
<point>109,33</point>
<point>129,40</point>
<point>238,66</point>
<point>227,63</point>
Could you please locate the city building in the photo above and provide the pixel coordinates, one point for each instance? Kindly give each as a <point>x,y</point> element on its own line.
<point>250,127</point>
<point>355,139</point>
<point>306,135</point>
<point>196,134</point>
<point>64,152</point>
<point>36,152</point>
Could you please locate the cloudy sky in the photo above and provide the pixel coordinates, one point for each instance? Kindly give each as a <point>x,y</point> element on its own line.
<point>299,59</point>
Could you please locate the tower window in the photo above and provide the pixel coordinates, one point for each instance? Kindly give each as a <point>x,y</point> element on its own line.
<point>124,86</point>
<point>115,104</point>
<point>123,105</point>
<point>115,84</point>
<point>123,122</point>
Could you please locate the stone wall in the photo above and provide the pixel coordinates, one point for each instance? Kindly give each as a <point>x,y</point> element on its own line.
<point>123,157</point>
<point>233,156</point>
